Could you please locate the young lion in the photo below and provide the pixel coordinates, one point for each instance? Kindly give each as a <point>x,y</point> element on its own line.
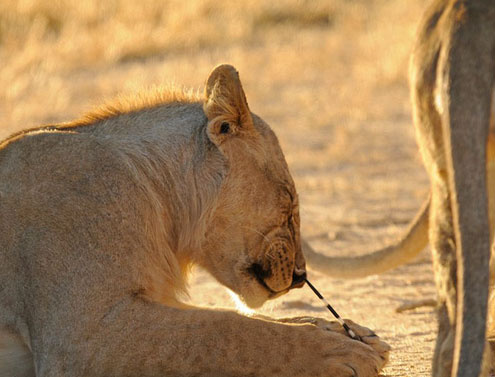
<point>102,217</point>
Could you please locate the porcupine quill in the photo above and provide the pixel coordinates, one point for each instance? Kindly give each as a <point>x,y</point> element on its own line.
<point>348,330</point>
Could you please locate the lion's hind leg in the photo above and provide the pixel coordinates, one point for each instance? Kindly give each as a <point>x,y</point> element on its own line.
<point>428,124</point>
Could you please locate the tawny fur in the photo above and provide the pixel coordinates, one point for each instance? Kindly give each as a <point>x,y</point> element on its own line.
<point>101,218</point>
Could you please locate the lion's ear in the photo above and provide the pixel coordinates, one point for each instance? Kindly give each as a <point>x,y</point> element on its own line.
<point>225,104</point>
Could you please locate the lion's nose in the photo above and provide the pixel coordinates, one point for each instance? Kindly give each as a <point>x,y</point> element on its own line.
<point>298,278</point>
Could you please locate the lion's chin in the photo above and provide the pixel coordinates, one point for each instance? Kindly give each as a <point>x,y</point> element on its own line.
<point>257,295</point>
<point>254,301</point>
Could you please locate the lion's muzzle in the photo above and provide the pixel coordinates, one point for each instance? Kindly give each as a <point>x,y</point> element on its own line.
<point>278,271</point>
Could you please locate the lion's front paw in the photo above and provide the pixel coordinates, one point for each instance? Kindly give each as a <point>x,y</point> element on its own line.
<point>367,335</point>
<point>369,356</point>
<point>362,359</point>
<point>370,338</point>
<point>340,355</point>
<point>316,321</point>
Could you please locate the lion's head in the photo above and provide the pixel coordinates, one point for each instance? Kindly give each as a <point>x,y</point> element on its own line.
<point>253,244</point>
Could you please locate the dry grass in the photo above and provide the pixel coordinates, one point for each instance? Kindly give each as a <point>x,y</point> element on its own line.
<point>45,46</point>
<point>329,76</point>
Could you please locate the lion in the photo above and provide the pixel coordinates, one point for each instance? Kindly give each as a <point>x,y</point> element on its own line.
<point>452,82</point>
<point>102,218</point>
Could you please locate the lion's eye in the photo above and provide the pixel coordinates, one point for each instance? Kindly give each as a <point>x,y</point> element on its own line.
<point>290,222</point>
<point>224,128</point>
<point>293,221</point>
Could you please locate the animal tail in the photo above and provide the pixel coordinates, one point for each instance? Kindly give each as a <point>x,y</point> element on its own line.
<point>411,243</point>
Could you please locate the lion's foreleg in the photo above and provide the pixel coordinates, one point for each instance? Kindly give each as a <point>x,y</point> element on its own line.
<point>142,338</point>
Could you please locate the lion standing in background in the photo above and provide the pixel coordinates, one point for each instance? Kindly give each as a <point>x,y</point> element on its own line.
<point>452,89</point>
<point>101,218</point>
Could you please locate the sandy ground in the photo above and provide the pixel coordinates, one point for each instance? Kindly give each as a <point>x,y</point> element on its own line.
<point>336,94</point>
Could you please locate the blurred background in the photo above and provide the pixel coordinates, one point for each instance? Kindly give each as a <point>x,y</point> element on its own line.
<point>343,59</point>
<point>330,77</point>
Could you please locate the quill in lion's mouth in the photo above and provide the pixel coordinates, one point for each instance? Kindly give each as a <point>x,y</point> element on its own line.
<point>349,331</point>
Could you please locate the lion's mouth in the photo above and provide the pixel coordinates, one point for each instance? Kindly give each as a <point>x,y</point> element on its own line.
<point>260,274</point>
<point>257,271</point>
